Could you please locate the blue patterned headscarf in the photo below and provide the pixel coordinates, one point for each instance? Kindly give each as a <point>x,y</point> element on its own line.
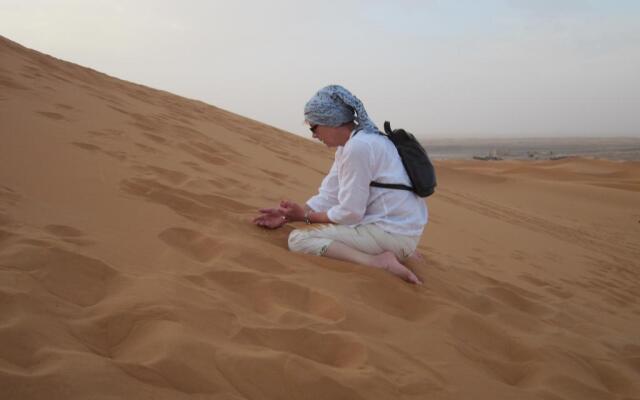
<point>334,105</point>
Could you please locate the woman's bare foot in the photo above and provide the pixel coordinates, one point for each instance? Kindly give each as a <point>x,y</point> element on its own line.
<point>388,261</point>
<point>416,256</point>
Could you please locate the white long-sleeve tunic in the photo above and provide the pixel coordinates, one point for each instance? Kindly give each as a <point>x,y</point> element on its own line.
<point>348,199</point>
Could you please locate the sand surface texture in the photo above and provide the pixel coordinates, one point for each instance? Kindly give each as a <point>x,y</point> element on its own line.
<point>129,268</point>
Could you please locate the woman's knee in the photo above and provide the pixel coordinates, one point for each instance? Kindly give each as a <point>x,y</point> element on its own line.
<point>296,237</point>
<point>308,242</point>
<point>410,247</point>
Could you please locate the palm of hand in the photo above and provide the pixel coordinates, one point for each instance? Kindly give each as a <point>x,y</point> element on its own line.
<point>270,220</point>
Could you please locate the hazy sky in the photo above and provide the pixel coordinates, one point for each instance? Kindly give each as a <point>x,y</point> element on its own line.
<point>458,68</point>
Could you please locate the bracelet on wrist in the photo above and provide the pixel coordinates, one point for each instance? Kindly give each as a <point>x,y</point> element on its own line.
<point>307,220</point>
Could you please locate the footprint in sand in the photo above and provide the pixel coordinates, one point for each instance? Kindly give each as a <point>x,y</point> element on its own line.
<point>9,83</point>
<point>153,339</point>
<point>397,300</point>
<point>163,354</point>
<point>207,157</point>
<point>148,149</point>
<point>118,155</point>
<point>195,166</point>
<point>63,230</point>
<point>156,138</point>
<point>497,354</point>
<point>22,344</point>
<point>274,299</point>
<point>87,146</point>
<point>52,115</point>
<point>68,234</point>
<point>517,300</point>
<point>107,133</point>
<point>570,387</point>
<point>70,276</point>
<point>8,196</point>
<point>551,287</point>
<point>339,350</point>
<point>64,106</point>
<point>484,336</point>
<point>170,176</point>
<point>200,208</point>
<point>75,278</point>
<point>257,261</point>
<point>283,376</point>
<point>194,245</point>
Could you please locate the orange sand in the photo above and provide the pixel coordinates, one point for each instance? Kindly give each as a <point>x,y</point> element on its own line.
<point>129,268</point>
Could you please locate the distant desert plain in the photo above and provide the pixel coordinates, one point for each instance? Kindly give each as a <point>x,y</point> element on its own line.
<point>607,148</point>
<point>129,268</point>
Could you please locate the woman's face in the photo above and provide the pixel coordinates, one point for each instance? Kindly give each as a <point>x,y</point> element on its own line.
<point>329,135</point>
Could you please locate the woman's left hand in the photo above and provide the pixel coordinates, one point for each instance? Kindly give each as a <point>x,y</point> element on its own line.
<point>293,211</point>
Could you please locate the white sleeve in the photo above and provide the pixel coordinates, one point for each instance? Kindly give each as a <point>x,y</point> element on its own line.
<point>327,196</point>
<point>354,179</point>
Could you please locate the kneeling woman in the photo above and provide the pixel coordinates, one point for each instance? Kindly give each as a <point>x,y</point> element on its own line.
<point>350,220</point>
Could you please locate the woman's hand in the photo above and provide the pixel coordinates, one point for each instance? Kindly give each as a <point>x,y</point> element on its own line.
<point>271,218</point>
<point>293,211</point>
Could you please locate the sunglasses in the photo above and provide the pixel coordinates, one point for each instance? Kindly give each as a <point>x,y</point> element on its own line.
<point>313,128</point>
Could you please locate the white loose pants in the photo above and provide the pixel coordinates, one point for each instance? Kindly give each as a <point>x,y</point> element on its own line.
<point>368,239</point>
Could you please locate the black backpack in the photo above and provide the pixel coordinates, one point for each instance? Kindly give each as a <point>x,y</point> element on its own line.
<point>415,160</point>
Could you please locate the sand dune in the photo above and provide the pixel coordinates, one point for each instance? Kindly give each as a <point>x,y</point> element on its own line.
<point>129,268</point>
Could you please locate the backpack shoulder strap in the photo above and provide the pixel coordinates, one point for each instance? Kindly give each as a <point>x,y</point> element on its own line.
<point>391,186</point>
<point>387,128</point>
